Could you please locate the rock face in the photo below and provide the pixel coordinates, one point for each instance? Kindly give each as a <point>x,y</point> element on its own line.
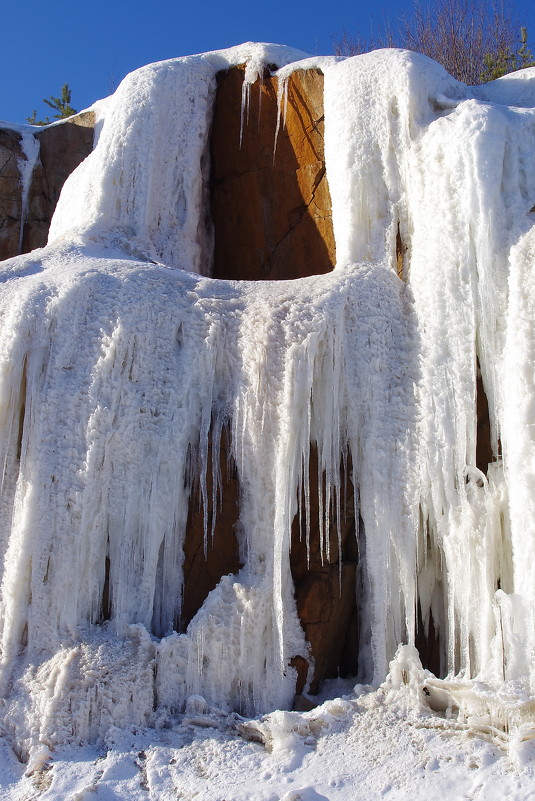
<point>271,206</point>
<point>270,202</point>
<point>271,212</point>
<point>204,567</point>
<point>326,587</point>
<point>10,195</point>
<point>325,584</point>
<point>62,148</point>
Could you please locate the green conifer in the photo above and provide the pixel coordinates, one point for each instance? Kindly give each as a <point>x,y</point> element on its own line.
<point>61,105</point>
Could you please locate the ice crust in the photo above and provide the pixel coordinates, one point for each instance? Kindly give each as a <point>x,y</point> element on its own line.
<point>118,355</point>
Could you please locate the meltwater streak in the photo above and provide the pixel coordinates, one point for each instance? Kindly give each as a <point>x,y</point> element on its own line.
<point>117,356</point>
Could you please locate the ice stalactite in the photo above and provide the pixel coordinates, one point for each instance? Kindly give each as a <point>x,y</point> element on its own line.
<point>475,189</point>
<point>30,148</point>
<point>282,108</point>
<point>118,357</point>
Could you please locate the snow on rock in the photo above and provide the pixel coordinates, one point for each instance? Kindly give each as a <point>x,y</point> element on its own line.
<point>118,355</point>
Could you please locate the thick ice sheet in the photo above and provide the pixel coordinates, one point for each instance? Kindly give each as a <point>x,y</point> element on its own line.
<point>451,177</point>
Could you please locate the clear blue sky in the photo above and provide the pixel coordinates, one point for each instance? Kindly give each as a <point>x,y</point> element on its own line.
<point>92,45</point>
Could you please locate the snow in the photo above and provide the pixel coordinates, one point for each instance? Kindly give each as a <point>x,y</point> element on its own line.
<point>366,745</point>
<point>117,354</point>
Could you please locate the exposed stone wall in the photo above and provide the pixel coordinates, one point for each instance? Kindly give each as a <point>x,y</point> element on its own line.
<point>11,154</point>
<point>62,147</point>
<point>271,206</point>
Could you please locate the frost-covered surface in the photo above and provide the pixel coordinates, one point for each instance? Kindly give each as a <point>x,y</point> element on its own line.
<point>358,747</point>
<point>143,357</point>
<point>454,175</point>
<point>118,354</point>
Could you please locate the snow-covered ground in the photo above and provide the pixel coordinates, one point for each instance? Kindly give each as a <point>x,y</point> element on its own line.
<point>117,353</point>
<point>363,746</point>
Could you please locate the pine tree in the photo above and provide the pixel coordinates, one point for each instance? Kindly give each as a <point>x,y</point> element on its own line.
<point>61,105</point>
<point>505,61</point>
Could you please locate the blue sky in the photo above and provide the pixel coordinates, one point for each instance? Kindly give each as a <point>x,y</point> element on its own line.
<point>92,45</point>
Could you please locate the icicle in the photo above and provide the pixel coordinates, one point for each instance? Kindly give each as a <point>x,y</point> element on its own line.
<point>30,148</point>
<point>245,102</point>
<point>254,71</point>
<point>282,107</point>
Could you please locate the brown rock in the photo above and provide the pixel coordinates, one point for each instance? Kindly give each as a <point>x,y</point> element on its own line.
<point>63,147</point>
<point>303,704</point>
<point>484,452</point>
<point>10,192</point>
<point>271,209</point>
<point>325,590</point>
<point>203,571</point>
<point>326,604</point>
<point>325,587</point>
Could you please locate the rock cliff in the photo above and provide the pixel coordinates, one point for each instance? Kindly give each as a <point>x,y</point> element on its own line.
<point>271,207</point>
<point>61,148</point>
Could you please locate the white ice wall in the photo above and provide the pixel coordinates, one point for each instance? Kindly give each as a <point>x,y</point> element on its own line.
<point>116,355</point>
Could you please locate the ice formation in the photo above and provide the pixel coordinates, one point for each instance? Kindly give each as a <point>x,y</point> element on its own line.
<point>118,355</point>
<point>30,153</point>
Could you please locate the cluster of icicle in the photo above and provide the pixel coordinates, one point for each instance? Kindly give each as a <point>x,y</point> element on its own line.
<point>118,356</point>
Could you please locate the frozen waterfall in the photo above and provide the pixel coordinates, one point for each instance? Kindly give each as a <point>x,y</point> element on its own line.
<point>121,362</point>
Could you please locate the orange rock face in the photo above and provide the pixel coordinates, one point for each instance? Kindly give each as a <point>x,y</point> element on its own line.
<point>271,206</point>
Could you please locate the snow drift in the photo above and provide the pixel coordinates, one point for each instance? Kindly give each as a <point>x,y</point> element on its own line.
<point>119,355</point>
